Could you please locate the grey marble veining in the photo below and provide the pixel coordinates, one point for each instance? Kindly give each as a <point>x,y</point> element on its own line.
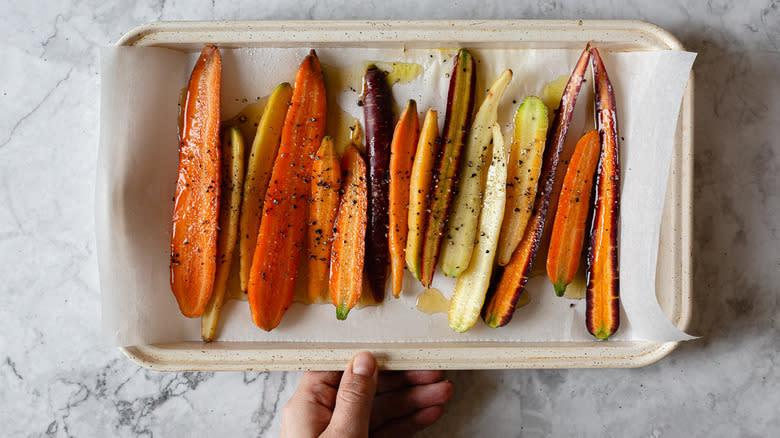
<point>58,380</point>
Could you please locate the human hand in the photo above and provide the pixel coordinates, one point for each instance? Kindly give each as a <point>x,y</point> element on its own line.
<point>360,401</point>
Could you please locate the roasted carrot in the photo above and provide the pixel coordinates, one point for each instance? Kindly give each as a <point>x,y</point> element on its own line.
<point>525,162</point>
<point>325,185</point>
<point>196,203</point>
<point>402,152</point>
<point>285,209</point>
<point>502,303</point>
<point>258,173</point>
<point>568,233</point>
<point>461,232</point>
<point>473,283</point>
<point>378,116</point>
<point>419,190</point>
<point>349,234</point>
<point>460,105</point>
<point>232,180</point>
<point>602,310</point>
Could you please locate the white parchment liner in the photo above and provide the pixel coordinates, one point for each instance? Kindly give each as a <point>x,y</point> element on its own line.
<point>137,166</point>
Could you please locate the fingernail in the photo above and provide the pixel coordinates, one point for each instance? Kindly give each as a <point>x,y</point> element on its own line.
<point>452,389</point>
<point>364,364</point>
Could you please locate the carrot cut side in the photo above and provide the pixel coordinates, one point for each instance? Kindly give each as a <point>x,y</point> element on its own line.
<point>568,233</point>
<point>258,173</point>
<point>499,310</point>
<point>232,181</point>
<point>602,309</point>
<point>457,119</point>
<point>420,189</point>
<point>285,209</point>
<point>402,150</point>
<point>196,202</point>
<point>325,186</point>
<point>525,163</point>
<point>347,256</point>
<point>473,284</point>
<point>460,235</point>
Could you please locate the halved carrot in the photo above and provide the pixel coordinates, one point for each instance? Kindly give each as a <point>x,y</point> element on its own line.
<point>258,173</point>
<point>196,203</point>
<point>460,235</point>
<point>568,233</point>
<point>347,256</point>
<point>460,104</point>
<point>325,185</point>
<point>473,283</point>
<point>402,151</point>
<point>285,210</point>
<point>232,180</point>
<point>602,310</point>
<point>502,303</point>
<point>420,189</point>
<point>525,162</point>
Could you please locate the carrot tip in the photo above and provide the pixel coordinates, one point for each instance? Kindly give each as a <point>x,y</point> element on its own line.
<point>341,313</point>
<point>602,334</point>
<point>560,289</point>
<point>492,321</point>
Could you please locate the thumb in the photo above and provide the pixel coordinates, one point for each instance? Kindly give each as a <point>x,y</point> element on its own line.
<point>355,397</point>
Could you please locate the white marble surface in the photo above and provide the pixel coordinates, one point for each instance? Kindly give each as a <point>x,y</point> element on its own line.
<point>58,380</point>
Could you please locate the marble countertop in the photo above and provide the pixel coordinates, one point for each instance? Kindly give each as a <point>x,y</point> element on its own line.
<point>59,380</point>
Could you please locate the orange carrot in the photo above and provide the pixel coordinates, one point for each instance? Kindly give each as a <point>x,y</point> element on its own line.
<point>402,152</point>
<point>325,186</point>
<point>349,233</point>
<point>196,203</point>
<point>602,309</point>
<point>568,233</point>
<point>285,209</point>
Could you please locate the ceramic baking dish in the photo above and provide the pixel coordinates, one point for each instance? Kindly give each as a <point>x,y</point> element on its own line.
<point>673,288</point>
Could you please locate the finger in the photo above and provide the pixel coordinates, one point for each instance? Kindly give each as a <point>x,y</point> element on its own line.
<point>319,387</point>
<point>314,400</point>
<point>354,399</point>
<point>394,380</point>
<point>331,378</point>
<point>411,424</point>
<point>401,403</point>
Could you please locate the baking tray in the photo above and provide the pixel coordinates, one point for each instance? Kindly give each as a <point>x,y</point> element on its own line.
<point>673,286</point>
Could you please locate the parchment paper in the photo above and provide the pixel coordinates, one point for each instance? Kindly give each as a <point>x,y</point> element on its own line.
<point>137,167</point>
